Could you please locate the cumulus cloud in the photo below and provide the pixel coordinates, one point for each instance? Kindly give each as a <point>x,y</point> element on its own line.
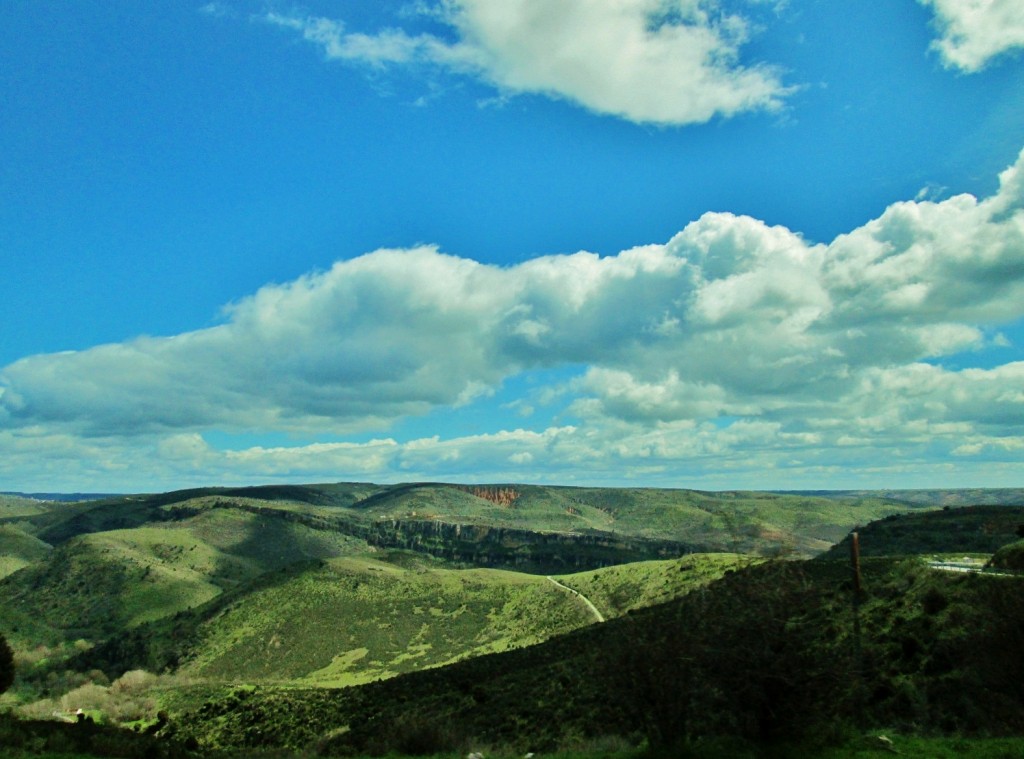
<point>975,31</point>
<point>648,61</point>
<point>734,337</point>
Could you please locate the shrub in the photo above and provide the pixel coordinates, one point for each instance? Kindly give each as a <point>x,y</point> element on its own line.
<point>89,697</point>
<point>134,682</point>
<point>1009,556</point>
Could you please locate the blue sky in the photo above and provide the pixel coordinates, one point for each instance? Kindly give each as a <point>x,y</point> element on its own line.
<point>685,243</point>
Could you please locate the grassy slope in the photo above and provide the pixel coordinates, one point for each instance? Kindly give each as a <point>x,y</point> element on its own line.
<point>934,645</point>
<point>19,549</point>
<point>97,584</point>
<point>356,619</point>
<point>620,589</point>
<point>15,507</point>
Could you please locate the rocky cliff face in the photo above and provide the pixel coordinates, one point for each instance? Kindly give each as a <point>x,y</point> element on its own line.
<point>523,550</point>
<point>482,545</point>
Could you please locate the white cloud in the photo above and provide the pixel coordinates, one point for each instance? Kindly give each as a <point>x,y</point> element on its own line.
<point>735,347</point>
<point>975,31</point>
<point>648,61</point>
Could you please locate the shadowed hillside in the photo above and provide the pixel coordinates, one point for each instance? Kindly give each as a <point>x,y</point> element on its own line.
<point>765,654</point>
<point>971,529</point>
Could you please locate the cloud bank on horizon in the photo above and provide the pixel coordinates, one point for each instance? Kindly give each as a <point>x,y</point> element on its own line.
<point>812,353</point>
<point>736,353</point>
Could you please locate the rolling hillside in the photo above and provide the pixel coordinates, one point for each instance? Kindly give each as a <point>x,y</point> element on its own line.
<point>970,529</point>
<point>357,619</point>
<point>638,523</point>
<point>344,584</point>
<point>18,549</point>
<point>99,583</point>
<point>119,562</point>
<point>773,659</point>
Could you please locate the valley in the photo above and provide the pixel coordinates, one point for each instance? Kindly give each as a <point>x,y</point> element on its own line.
<point>285,616</point>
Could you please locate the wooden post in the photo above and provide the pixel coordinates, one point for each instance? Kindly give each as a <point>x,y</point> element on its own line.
<point>855,561</point>
<point>858,663</point>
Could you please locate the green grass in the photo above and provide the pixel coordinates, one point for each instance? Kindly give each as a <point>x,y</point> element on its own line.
<point>19,549</point>
<point>912,747</point>
<point>617,590</point>
<point>100,583</point>
<point>355,620</point>
<point>917,747</point>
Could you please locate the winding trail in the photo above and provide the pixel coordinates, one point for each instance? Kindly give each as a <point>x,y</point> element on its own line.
<point>597,614</point>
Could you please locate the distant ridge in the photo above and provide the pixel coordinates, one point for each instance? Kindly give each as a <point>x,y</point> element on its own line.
<point>62,496</point>
<point>925,496</point>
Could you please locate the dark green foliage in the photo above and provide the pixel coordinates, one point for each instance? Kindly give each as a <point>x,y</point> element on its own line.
<point>751,657</point>
<point>971,529</point>
<point>952,666</point>
<point>412,734</point>
<point>6,665</point>
<point>84,738</point>
<point>1009,557</point>
<point>764,656</point>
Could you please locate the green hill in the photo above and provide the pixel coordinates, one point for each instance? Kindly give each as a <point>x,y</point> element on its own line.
<point>96,585</point>
<point>357,619</point>
<point>618,590</point>
<point>261,602</point>
<point>536,528</point>
<point>772,659</point>
<point>14,507</point>
<point>19,549</point>
<point>971,529</point>
<point>1009,557</point>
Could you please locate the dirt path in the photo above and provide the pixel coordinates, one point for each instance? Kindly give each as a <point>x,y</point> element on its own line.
<point>597,614</point>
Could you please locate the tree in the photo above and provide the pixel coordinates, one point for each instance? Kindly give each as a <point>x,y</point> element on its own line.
<point>6,665</point>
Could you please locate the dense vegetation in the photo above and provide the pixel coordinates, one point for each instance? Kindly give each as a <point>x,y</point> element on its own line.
<point>354,618</point>
<point>774,658</point>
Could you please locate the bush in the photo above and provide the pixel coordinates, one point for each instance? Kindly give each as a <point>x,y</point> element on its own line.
<point>1009,556</point>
